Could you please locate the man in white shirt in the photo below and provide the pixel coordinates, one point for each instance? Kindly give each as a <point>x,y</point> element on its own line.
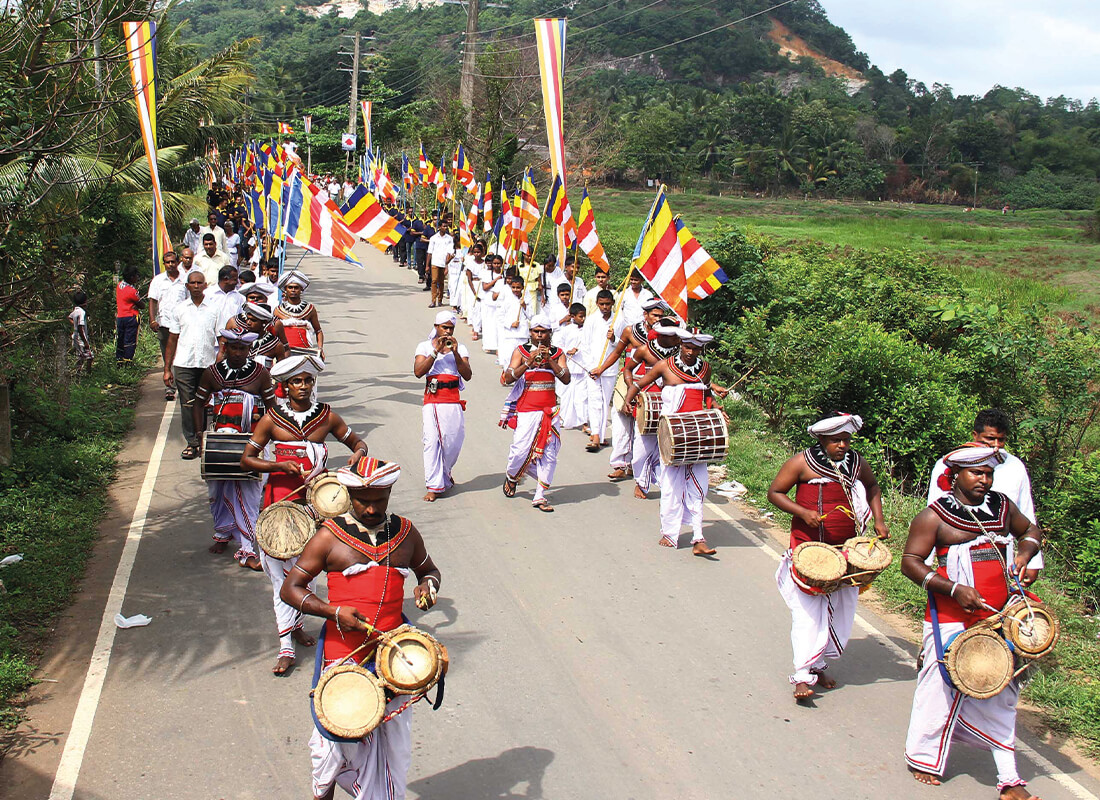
<point>513,318</point>
<point>551,276</point>
<point>232,243</point>
<point>491,288</point>
<point>635,298</point>
<point>603,281</point>
<point>599,335</point>
<point>225,296</point>
<point>571,276</point>
<point>192,347</point>
<point>992,428</point>
<point>212,227</point>
<point>211,260</point>
<point>445,365</point>
<point>192,237</point>
<point>441,251</point>
<point>167,289</point>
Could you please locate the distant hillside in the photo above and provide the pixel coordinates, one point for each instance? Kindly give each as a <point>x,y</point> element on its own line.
<point>795,47</point>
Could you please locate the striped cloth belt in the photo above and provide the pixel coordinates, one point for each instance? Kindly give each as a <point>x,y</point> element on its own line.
<point>985,554</point>
<point>541,386</point>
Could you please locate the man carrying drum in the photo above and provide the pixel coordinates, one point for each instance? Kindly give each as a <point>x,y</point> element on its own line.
<point>531,410</point>
<point>686,386</point>
<point>367,554</point>
<point>301,324</point>
<point>968,530</point>
<point>837,496</point>
<point>664,344</point>
<point>237,390</point>
<point>268,347</point>
<point>446,365</point>
<point>296,429</point>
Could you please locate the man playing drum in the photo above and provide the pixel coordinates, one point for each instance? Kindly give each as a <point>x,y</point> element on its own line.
<point>446,365</point>
<point>836,496</point>
<point>268,347</point>
<point>301,324</point>
<point>296,429</point>
<point>237,390</point>
<point>367,554</point>
<point>686,386</point>
<point>531,409</point>
<point>646,458</point>
<point>968,530</point>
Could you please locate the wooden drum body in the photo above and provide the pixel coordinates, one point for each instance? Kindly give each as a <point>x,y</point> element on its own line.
<point>283,529</point>
<point>328,497</point>
<point>1033,632</point>
<point>619,394</point>
<point>410,661</point>
<point>867,558</point>
<point>349,701</point>
<point>648,416</point>
<point>221,457</point>
<point>979,661</point>
<point>818,568</point>
<point>692,437</point>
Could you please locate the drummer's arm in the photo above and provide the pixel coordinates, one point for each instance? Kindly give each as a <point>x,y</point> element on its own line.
<point>785,480</point>
<point>280,331</point>
<point>427,574</point>
<point>1029,541</point>
<point>919,545</point>
<point>251,460</point>
<point>267,390</point>
<point>297,594</point>
<point>636,387</point>
<point>198,404</point>
<point>874,499</point>
<point>315,321</point>
<point>349,437</point>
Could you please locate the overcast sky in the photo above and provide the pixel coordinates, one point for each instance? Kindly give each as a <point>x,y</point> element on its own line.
<point>1049,48</point>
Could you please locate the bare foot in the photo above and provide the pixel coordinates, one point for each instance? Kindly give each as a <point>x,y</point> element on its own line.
<point>823,680</point>
<point>803,691</point>
<point>303,638</point>
<point>638,493</point>
<point>927,778</point>
<point>667,542</point>
<point>429,497</point>
<point>218,548</point>
<point>282,665</point>
<point>701,548</point>
<point>1017,793</point>
<point>253,563</point>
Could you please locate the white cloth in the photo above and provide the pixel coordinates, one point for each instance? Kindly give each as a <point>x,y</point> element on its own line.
<point>210,266</point>
<point>572,396</point>
<point>197,327</point>
<point>820,623</point>
<point>440,247</point>
<point>556,311</point>
<point>219,238</point>
<point>645,460</point>
<point>235,506</point>
<point>79,318</point>
<point>519,454</point>
<point>444,432</point>
<point>287,618</point>
<point>682,491</point>
<point>622,437</point>
<point>229,303</point>
<point>167,293</point>
<point>632,305</point>
<point>594,342</point>
<point>376,768</point>
<point>444,364</point>
<point>509,338</point>
<point>549,282</point>
<point>599,391</point>
<point>193,240</point>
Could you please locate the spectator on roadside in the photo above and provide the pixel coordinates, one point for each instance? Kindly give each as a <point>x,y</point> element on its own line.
<point>192,237</point>
<point>212,227</point>
<point>187,260</point>
<point>232,243</point>
<point>127,314</point>
<point>192,347</point>
<point>167,290</point>
<point>225,296</point>
<point>210,260</point>
<point>82,340</point>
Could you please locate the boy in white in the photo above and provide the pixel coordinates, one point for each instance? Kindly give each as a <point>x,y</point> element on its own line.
<point>600,332</point>
<point>557,309</point>
<point>513,316</point>
<point>492,288</point>
<point>441,252</point>
<point>469,286</point>
<point>635,297</point>
<point>573,396</point>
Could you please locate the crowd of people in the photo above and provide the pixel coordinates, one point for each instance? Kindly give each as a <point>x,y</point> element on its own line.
<point>242,351</point>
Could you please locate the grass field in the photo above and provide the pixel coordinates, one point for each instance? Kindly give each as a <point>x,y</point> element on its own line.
<point>1017,257</point>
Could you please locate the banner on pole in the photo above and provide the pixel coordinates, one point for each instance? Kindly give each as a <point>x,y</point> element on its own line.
<point>550,39</point>
<point>366,106</point>
<point>347,142</point>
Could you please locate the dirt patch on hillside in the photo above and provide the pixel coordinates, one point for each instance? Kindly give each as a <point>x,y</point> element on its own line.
<point>794,46</point>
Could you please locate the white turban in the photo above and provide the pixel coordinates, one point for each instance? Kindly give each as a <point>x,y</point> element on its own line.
<point>652,303</point>
<point>540,321</point>
<point>369,471</point>
<point>297,365</point>
<point>254,287</point>
<point>842,423</point>
<point>247,337</point>
<point>445,317</point>
<point>261,312</point>
<point>974,456</point>
<point>294,276</point>
<point>699,339</point>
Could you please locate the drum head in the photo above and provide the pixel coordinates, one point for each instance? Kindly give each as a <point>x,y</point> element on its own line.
<point>1033,634</point>
<point>867,553</point>
<point>819,563</point>
<point>328,497</point>
<point>979,662</point>
<point>409,661</point>
<point>349,701</point>
<point>665,443</point>
<point>283,529</point>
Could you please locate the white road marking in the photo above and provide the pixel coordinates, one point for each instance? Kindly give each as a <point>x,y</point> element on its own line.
<point>1045,766</point>
<point>64,783</point>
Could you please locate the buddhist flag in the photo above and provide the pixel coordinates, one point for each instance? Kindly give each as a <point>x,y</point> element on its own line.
<point>314,225</point>
<point>429,174</point>
<point>527,202</point>
<point>485,203</point>
<point>550,42</point>
<point>506,234</point>
<point>365,106</point>
<point>589,241</point>
<point>465,236</point>
<point>463,172</point>
<point>471,220</point>
<point>284,128</point>
<point>659,258</point>
<point>384,184</point>
<point>307,124</point>
<point>141,50</point>
<point>557,209</point>
<point>408,177</point>
<point>703,274</point>
<point>365,217</point>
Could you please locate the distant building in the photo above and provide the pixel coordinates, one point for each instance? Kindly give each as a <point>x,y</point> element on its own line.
<point>382,6</point>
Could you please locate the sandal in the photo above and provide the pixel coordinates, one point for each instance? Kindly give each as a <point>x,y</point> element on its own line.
<point>543,505</point>
<point>189,452</point>
<point>592,447</point>
<point>510,487</point>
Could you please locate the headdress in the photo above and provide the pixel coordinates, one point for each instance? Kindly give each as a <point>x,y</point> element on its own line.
<point>841,423</point>
<point>368,472</point>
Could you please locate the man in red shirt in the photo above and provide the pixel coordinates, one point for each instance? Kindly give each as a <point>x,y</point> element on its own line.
<point>127,312</point>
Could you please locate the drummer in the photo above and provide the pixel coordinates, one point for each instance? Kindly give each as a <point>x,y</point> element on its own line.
<point>367,555</point>
<point>836,497</point>
<point>237,390</point>
<point>646,458</point>
<point>268,347</point>
<point>299,316</point>
<point>296,428</point>
<point>686,386</point>
<point>968,530</point>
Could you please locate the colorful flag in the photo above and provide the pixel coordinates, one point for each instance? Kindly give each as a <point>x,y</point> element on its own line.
<point>550,41</point>
<point>589,241</point>
<point>463,171</point>
<point>307,124</point>
<point>703,274</point>
<point>315,225</point>
<point>465,236</point>
<point>485,203</point>
<point>141,50</point>
<point>383,183</point>
<point>365,217</point>
<point>658,257</point>
<point>527,202</point>
<point>506,229</point>
<point>429,174</point>
<point>471,220</point>
<point>365,106</point>
<point>284,128</point>
<point>558,211</point>
<point>408,177</point>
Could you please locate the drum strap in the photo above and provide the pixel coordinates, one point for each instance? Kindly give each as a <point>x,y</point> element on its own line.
<point>939,642</point>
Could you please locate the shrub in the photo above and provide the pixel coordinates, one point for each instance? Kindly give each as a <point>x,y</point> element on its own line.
<point>1072,516</point>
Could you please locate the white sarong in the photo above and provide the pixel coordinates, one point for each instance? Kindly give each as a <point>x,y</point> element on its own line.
<point>600,391</point>
<point>646,460</point>
<point>376,768</point>
<point>444,432</point>
<point>520,459</point>
<point>235,506</point>
<point>574,400</point>
<point>622,439</point>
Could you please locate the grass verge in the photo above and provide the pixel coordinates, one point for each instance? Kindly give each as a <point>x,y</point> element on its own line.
<point>1064,686</point>
<point>65,444</point>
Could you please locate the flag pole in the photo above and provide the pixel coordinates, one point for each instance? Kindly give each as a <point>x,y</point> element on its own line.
<point>618,308</point>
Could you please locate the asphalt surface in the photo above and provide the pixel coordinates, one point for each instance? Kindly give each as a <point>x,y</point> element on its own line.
<point>587,661</point>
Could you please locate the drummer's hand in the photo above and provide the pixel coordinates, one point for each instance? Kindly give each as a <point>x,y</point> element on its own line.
<point>1019,566</point>
<point>290,468</point>
<point>593,375</point>
<point>810,517</point>
<point>1029,577</point>
<point>628,408</point>
<point>721,394</point>
<point>350,619</point>
<point>355,456</point>
<point>424,596</point>
<point>969,599</point>
<point>881,530</point>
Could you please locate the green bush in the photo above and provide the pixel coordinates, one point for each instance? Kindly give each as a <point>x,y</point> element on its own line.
<point>1072,516</point>
<point>1041,188</point>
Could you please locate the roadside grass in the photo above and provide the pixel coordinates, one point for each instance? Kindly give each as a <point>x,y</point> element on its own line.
<point>1025,257</point>
<point>53,498</point>
<point>1064,685</point>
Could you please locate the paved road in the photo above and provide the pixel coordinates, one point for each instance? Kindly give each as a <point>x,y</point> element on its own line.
<point>586,661</point>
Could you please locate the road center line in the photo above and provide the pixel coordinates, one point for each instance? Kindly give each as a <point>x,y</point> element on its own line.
<point>64,783</point>
<point>1040,761</point>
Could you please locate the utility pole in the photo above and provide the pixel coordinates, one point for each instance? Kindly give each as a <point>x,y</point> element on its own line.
<point>354,97</point>
<point>469,59</point>
<point>977,167</point>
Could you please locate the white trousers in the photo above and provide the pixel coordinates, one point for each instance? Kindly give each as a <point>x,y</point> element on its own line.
<point>682,493</point>
<point>490,330</point>
<point>574,400</point>
<point>622,439</point>
<point>444,431</point>
<point>820,623</point>
<point>287,618</point>
<point>600,391</point>
<point>235,506</point>
<point>453,275</point>
<point>376,768</point>
<point>520,461</point>
<point>942,715</point>
<point>473,316</point>
<point>646,460</point>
